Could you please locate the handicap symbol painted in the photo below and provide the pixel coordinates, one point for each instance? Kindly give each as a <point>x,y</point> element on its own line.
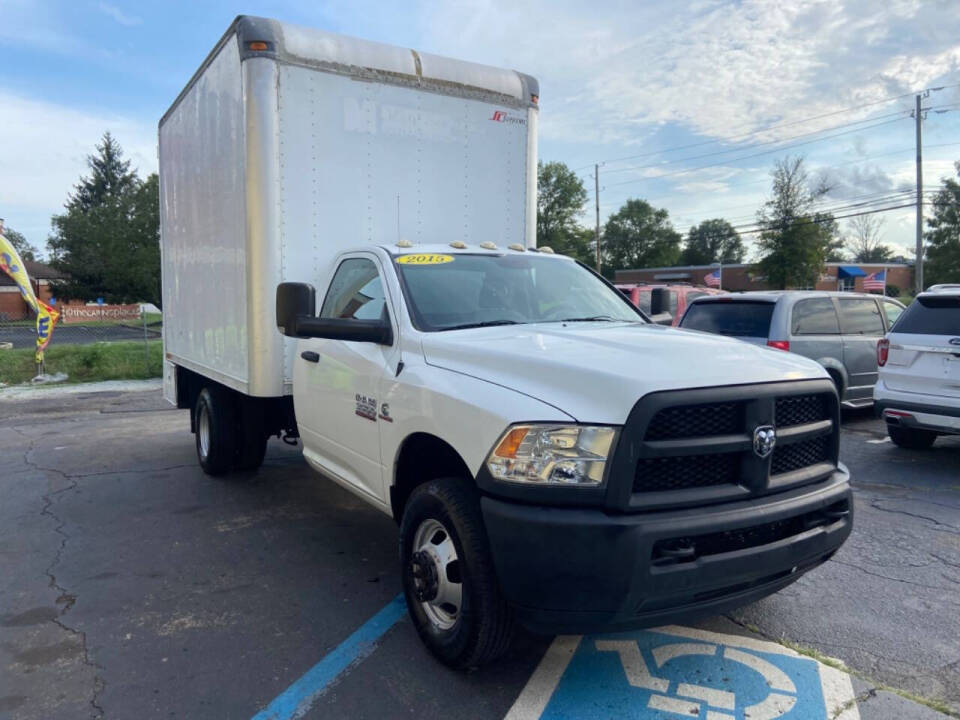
<point>672,672</point>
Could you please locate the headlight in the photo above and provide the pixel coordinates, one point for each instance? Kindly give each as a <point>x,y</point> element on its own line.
<point>552,454</point>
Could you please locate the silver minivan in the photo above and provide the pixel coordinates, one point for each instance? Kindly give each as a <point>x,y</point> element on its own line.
<point>837,329</point>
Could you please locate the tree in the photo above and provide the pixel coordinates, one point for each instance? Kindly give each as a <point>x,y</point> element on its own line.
<point>713,241</point>
<point>560,199</point>
<point>942,238</point>
<point>20,244</point>
<point>864,241</point>
<point>107,242</point>
<point>795,240</point>
<point>639,236</point>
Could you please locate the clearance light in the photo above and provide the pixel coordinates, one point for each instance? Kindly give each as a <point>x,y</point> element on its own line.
<point>488,245</point>
<point>552,455</point>
<point>779,345</point>
<point>458,245</point>
<point>257,46</point>
<point>546,249</point>
<point>517,246</point>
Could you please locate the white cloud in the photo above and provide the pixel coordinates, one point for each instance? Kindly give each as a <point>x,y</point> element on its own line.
<point>614,74</point>
<point>117,14</point>
<point>43,151</point>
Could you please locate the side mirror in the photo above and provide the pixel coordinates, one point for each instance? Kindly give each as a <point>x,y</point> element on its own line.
<point>296,317</point>
<point>660,306</point>
<point>295,301</point>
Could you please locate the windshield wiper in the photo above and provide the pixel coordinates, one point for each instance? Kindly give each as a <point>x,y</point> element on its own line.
<point>485,323</point>
<point>591,318</point>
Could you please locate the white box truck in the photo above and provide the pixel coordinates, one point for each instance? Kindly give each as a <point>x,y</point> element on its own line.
<point>349,259</point>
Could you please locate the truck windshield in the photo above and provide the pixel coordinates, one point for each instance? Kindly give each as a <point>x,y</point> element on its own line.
<point>448,292</point>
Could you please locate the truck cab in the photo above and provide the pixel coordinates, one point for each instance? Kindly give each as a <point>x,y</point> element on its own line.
<point>488,399</point>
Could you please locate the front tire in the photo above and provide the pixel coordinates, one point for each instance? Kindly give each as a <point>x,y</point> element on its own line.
<point>448,575</point>
<point>911,438</point>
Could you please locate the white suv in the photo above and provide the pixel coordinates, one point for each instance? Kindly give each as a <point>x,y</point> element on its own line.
<point>918,392</point>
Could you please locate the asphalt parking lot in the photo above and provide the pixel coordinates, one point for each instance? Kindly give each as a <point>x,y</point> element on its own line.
<point>22,336</point>
<point>136,587</point>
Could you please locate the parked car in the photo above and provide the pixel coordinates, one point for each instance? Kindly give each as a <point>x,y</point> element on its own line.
<point>678,297</point>
<point>837,329</point>
<point>918,392</point>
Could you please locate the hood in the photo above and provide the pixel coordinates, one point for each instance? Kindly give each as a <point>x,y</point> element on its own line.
<point>596,372</point>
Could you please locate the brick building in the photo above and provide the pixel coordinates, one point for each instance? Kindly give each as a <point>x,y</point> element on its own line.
<point>836,276</point>
<point>12,305</point>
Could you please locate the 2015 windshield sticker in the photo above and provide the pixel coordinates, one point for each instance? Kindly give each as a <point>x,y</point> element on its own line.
<point>424,259</point>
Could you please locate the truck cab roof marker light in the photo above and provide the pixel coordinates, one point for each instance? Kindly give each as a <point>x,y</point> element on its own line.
<point>458,245</point>
<point>545,249</point>
<point>404,244</point>
<point>488,245</point>
<point>517,246</point>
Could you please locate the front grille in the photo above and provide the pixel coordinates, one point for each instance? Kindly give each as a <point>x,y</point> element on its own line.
<point>688,471</point>
<point>686,444</point>
<point>787,458</point>
<point>801,409</point>
<point>688,421</point>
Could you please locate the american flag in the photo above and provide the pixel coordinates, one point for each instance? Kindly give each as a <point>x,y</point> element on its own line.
<point>875,281</point>
<point>713,279</point>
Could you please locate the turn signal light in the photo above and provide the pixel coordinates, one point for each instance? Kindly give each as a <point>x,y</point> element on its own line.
<point>511,442</point>
<point>883,351</point>
<point>779,344</point>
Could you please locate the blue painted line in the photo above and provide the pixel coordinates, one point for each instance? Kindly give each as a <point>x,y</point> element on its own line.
<point>296,700</point>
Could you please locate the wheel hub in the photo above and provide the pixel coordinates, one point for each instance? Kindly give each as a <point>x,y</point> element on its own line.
<point>424,569</point>
<point>435,571</point>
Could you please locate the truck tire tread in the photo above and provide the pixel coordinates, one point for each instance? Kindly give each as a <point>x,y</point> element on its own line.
<point>486,628</point>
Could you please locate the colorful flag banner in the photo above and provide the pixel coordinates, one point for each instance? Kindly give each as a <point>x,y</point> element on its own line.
<point>876,281</point>
<point>12,265</point>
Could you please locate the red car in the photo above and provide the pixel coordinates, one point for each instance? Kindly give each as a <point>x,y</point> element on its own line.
<point>679,296</point>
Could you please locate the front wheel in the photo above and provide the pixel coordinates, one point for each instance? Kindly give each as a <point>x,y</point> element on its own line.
<point>911,438</point>
<point>448,576</point>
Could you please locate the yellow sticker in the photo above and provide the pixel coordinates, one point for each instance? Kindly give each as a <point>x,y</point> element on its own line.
<point>424,259</point>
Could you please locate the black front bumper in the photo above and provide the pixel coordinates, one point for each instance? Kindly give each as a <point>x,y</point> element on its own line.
<point>577,570</point>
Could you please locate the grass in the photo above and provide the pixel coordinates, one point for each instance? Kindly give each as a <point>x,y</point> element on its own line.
<point>86,363</point>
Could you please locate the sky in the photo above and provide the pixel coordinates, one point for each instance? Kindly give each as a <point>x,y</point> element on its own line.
<point>684,104</point>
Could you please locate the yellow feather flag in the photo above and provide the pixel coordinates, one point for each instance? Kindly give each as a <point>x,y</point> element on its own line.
<point>12,265</point>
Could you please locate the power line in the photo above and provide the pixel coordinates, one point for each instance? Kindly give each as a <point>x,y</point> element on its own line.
<point>754,155</point>
<point>760,131</point>
<point>759,228</point>
<point>768,142</point>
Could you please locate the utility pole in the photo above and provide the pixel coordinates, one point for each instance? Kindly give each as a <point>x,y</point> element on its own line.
<point>596,196</point>
<point>918,268</point>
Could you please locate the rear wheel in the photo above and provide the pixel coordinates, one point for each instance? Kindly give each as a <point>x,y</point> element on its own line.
<point>911,438</point>
<point>448,576</point>
<point>215,417</point>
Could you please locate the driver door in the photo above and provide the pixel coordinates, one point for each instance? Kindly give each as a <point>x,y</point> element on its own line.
<point>336,383</point>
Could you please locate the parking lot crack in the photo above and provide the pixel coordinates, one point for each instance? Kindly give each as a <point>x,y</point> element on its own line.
<point>944,527</point>
<point>886,577</point>
<point>65,598</point>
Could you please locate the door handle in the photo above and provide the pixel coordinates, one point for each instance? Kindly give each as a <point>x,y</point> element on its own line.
<point>310,356</point>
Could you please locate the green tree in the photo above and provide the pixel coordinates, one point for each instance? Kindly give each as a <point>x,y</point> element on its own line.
<point>560,199</point>
<point>713,241</point>
<point>865,240</point>
<point>942,239</point>
<point>637,236</point>
<point>795,240</point>
<point>20,244</point>
<point>108,240</point>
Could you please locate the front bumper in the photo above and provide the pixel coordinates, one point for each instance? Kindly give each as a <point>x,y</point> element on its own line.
<point>576,570</point>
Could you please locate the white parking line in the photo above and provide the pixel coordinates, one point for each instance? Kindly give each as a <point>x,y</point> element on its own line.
<point>539,689</point>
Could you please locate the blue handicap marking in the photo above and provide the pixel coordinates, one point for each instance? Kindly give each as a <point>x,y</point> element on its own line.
<point>670,673</point>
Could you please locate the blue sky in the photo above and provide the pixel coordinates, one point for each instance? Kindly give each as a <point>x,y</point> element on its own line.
<point>618,80</point>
